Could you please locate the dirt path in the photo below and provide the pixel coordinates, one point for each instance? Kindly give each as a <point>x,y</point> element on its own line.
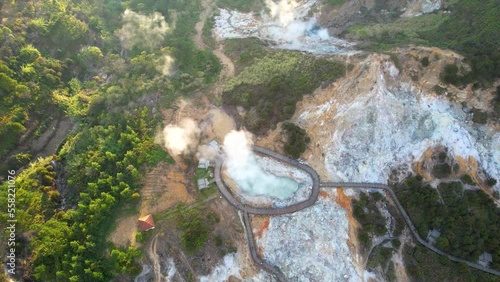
<point>154,259</point>
<point>227,64</point>
<point>207,10</point>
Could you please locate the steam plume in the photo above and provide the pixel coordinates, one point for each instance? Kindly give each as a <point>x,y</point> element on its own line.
<point>291,17</point>
<point>243,168</point>
<point>145,31</point>
<point>182,138</point>
<point>165,65</point>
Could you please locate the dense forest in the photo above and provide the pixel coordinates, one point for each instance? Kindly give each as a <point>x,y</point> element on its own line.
<point>94,62</point>
<point>468,220</point>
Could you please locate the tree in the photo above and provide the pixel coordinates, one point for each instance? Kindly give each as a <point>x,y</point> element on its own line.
<point>442,243</point>
<point>296,140</point>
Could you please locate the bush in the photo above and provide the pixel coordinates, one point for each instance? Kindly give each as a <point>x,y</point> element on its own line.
<point>441,170</point>
<point>425,61</point>
<point>466,179</point>
<point>450,75</point>
<point>139,237</point>
<point>491,181</point>
<point>440,90</point>
<point>296,141</point>
<point>479,116</point>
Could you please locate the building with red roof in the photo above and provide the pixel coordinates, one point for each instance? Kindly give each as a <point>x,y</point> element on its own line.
<point>146,223</point>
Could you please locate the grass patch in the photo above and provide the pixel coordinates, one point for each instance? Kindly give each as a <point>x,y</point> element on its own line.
<point>158,155</point>
<point>201,173</point>
<point>209,192</point>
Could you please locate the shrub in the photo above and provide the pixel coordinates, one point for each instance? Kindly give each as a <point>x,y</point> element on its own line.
<point>441,170</point>
<point>297,140</point>
<point>491,181</point>
<point>450,74</point>
<point>425,61</point>
<point>440,90</point>
<point>466,179</point>
<point>479,116</point>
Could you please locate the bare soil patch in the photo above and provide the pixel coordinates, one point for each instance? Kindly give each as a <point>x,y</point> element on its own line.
<point>124,234</point>
<point>165,187</point>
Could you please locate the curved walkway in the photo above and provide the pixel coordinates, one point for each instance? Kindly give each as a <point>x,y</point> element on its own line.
<point>309,202</point>
<point>271,211</point>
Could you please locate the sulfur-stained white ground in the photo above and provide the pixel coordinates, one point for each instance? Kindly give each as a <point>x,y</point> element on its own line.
<point>311,245</point>
<point>289,26</point>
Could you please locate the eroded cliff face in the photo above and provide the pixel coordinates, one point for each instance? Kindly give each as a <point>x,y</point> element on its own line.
<point>379,118</point>
<point>339,19</point>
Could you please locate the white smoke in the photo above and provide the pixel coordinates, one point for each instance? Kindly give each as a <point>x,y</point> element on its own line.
<point>165,65</point>
<point>294,27</point>
<point>242,167</point>
<point>207,152</point>
<point>182,138</point>
<point>144,31</point>
<point>284,11</point>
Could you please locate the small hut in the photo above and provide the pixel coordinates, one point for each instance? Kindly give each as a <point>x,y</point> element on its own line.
<point>203,163</point>
<point>203,183</point>
<point>485,259</point>
<point>146,223</point>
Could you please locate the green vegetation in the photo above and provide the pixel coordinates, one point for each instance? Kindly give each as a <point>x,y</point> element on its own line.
<point>379,256</point>
<point>244,52</point>
<point>467,179</point>
<point>495,104</point>
<point>242,5</point>
<point>424,265</point>
<point>270,87</point>
<point>64,58</point>
<point>472,29</point>
<point>297,140</point>
<point>440,90</point>
<point>425,61</point>
<point>368,215</point>
<point>195,226</point>
<point>333,3</point>
<point>479,116</point>
<point>207,35</point>
<point>467,219</point>
<point>395,60</point>
<point>103,164</point>
<point>201,173</point>
<point>441,170</point>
